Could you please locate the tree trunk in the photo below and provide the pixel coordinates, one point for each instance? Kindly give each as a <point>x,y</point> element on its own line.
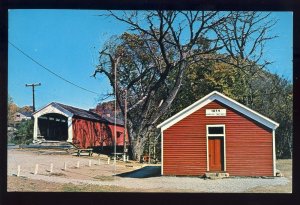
<point>138,147</point>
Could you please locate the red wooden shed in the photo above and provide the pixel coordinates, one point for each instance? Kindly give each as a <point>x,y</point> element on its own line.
<point>218,134</point>
<point>84,129</point>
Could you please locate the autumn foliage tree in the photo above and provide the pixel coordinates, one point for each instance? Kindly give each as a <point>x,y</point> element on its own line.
<point>153,57</point>
<point>12,108</point>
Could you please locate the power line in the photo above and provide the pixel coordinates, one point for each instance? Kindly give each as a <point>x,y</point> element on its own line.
<point>50,71</point>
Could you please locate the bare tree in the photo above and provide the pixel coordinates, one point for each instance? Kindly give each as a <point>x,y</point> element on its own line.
<point>244,36</point>
<point>152,58</point>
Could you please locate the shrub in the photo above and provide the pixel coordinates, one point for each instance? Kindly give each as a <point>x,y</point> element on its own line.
<point>24,133</point>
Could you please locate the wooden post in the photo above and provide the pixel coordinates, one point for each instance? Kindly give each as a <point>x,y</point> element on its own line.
<point>19,170</point>
<point>90,163</point>
<point>125,128</point>
<point>36,169</point>
<point>77,166</point>
<point>149,150</point>
<point>65,166</point>
<point>154,154</point>
<point>51,167</point>
<point>108,160</point>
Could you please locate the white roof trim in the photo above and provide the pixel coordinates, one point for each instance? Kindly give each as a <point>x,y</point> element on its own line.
<point>52,108</point>
<point>215,95</point>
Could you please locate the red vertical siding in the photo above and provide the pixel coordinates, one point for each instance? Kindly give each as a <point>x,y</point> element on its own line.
<point>249,148</point>
<point>120,137</point>
<point>91,133</point>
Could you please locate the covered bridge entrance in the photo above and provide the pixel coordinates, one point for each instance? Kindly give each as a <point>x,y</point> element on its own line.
<point>53,123</point>
<point>53,126</point>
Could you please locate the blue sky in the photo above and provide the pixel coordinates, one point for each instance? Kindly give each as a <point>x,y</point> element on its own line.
<point>68,41</point>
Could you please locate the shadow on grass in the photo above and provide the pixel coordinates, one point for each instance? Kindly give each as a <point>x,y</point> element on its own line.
<point>145,172</point>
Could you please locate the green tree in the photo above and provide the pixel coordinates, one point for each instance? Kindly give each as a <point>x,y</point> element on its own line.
<point>24,133</point>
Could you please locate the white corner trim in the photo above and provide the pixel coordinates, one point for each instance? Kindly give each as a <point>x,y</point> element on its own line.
<point>223,99</point>
<point>35,128</point>
<point>274,154</point>
<point>70,129</point>
<point>207,154</point>
<point>162,153</point>
<point>224,141</point>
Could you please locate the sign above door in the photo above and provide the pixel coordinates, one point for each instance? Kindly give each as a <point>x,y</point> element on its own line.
<point>215,112</point>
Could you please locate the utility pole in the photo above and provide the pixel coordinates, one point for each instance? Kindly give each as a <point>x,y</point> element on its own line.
<point>125,126</point>
<point>33,85</point>
<point>115,130</point>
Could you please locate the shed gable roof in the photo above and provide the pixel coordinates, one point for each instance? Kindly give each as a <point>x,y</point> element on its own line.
<point>215,95</point>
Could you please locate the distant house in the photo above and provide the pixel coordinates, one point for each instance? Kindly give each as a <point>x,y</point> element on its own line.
<point>217,134</point>
<point>21,116</point>
<point>84,129</point>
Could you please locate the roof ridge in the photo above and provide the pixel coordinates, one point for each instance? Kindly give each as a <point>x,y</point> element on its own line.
<point>215,95</point>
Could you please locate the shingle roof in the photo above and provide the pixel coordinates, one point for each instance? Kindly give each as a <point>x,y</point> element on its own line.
<point>112,120</point>
<point>88,114</point>
<point>27,114</point>
<point>80,112</point>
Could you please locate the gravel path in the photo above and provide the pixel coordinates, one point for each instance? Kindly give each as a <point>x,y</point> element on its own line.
<point>90,175</point>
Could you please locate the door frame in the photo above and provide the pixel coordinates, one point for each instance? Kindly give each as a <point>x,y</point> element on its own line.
<point>224,144</point>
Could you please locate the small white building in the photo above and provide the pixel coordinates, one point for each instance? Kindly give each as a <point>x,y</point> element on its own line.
<point>20,116</point>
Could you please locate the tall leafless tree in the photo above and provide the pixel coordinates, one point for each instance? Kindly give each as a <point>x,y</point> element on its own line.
<point>151,59</point>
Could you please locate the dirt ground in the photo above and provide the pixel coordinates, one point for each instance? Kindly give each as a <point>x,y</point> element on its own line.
<point>285,166</point>
<point>124,177</point>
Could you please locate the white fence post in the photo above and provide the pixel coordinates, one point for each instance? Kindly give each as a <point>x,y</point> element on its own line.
<point>36,169</point>
<point>90,163</point>
<point>51,167</point>
<point>19,170</point>
<point>108,160</point>
<point>99,162</point>
<point>65,167</point>
<point>78,164</point>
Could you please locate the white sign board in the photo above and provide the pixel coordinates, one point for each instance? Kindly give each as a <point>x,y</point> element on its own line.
<point>215,112</point>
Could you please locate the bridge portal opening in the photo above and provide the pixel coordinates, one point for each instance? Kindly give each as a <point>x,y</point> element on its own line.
<point>53,126</point>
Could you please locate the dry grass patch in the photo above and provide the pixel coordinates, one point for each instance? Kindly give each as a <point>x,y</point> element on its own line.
<point>104,178</point>
<point>22,184</point>
<point>57,174</point>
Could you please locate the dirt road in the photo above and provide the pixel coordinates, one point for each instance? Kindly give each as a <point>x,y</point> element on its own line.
<point>120,177</point>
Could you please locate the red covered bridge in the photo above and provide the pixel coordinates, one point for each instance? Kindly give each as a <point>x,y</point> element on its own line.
<point>217,134</point>
<point>84,129</point>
